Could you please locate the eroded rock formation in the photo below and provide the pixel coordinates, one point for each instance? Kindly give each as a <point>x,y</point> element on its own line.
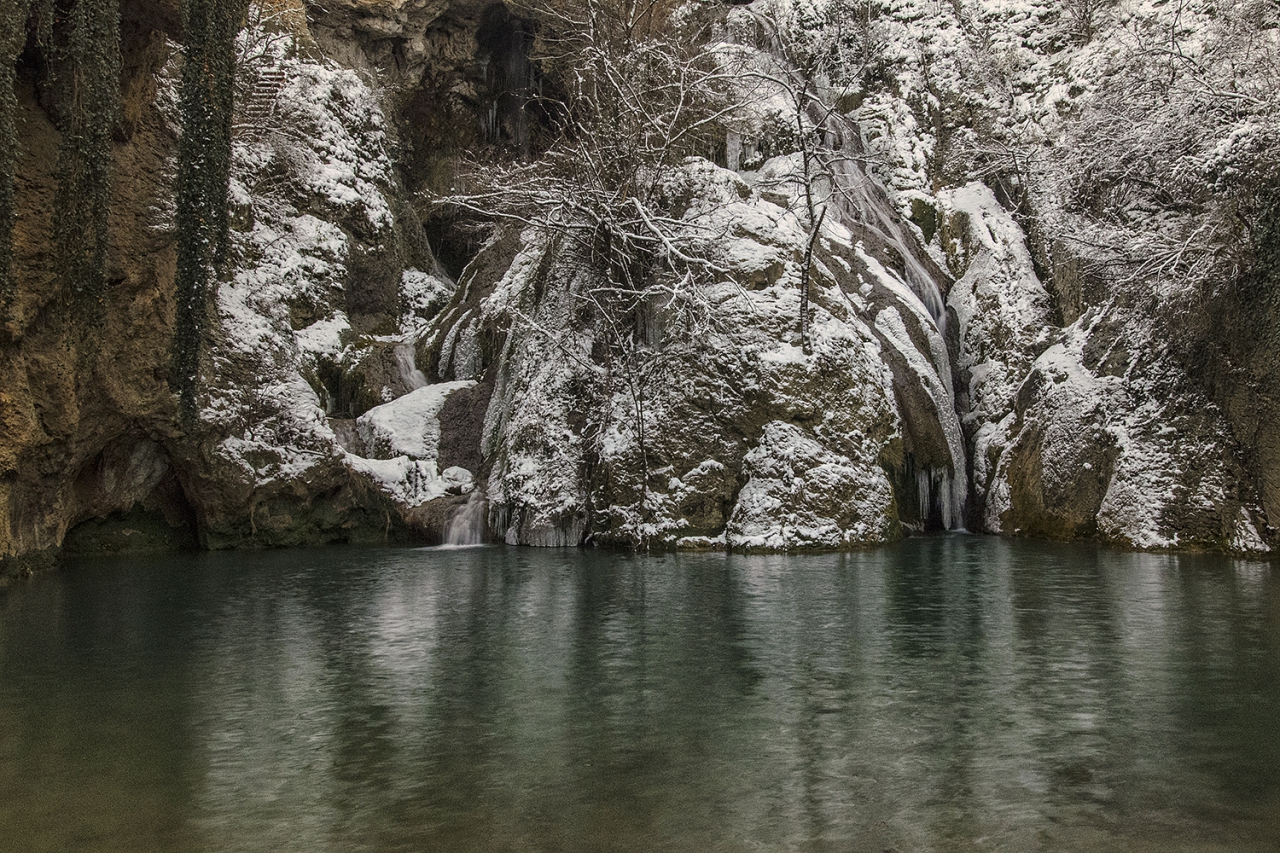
<point>354,392</point>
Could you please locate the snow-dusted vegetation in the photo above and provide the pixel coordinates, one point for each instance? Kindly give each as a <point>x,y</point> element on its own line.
<point>932,288</point>
<point>771,275</point>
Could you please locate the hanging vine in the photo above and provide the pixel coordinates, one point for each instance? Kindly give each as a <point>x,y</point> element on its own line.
<point>15,15</point>
<point>87,81</point>
<point>13,30</point>
<point>204,162</point>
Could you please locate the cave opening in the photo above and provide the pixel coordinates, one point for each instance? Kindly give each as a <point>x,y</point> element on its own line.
<point>119,514</point>
<point>508,82</point>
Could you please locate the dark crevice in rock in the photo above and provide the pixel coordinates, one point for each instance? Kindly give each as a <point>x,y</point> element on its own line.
<point>508,78</point>
<point>131,501</point>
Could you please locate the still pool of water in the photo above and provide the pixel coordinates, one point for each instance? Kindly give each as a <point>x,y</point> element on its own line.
<point>949,693</point>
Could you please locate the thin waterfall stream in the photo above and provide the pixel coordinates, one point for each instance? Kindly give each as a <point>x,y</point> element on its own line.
<point>861,200</point>
<point>470,522</point>
<point>406,361</point>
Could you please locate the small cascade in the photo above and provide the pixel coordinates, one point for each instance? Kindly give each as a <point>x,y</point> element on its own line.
<point>467,527</point>
<point>409,372</point>
<point>861,200</point>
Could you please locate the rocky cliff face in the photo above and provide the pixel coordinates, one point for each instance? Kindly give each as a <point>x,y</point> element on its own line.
<point>1089,430</point>
<point>86,418</point>
<point>355,392</point>
<point>91,455</point>
<point>726,434</point>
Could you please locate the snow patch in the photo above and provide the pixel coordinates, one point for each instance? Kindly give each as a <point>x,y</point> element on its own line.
<point>409,425</point>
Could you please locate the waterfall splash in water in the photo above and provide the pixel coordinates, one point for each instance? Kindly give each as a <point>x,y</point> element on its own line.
<point>409,372</point>
<point>467,527</point>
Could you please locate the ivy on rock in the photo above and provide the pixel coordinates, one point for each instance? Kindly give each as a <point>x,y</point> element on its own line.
<point>13,28</point>
<point>79,41</point>
<point>204,163</point>
<point>14,18</point>
<point>88,86</point>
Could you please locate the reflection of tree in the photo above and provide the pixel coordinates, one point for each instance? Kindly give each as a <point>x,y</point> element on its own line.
<point>659,674</point>
<point>582,701</point>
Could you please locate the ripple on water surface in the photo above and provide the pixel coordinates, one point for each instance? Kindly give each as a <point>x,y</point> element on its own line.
<point>948,693</point>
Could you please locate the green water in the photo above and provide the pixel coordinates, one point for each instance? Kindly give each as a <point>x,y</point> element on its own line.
<point>951,693</point>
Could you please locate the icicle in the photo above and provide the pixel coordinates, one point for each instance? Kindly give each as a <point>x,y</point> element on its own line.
<point>957,493</point>
<point>733,150</point>
<point>924,492</point>
<point>935,486</point>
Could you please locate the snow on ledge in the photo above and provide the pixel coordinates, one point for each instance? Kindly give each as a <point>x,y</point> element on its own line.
<point>403,440</point>
<point>408,425</point>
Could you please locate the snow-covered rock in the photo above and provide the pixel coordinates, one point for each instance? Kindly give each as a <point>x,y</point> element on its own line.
<point>799,493</point>
<point>707,424</point>
<point>409,425</point>
<point>311,418</point>
<point>352,391</point>
<point>1138,458</point>
<point>691,434</point>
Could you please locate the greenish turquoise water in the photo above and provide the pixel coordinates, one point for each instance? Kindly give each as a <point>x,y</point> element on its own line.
<point>949,693</point>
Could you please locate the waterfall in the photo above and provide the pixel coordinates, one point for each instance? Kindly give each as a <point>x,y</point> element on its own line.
<point>409,372</point>
<point>862,200</point>
<point>859,198</point>
<point>467,527</point>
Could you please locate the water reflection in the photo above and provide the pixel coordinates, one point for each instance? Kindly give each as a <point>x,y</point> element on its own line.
<point>950,693</point>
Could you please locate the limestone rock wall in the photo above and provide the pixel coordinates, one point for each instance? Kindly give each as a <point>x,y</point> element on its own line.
<point>86,417</point>
<point>727,434</point>
<point>331,267</point>
<point>354,392</point>
<point>1089,431</point>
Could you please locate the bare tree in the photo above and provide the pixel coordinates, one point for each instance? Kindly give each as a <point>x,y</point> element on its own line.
<point>1177,150</point>
<point>638,95</point>
<point>804,56</point>
<point>1084,17</point>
